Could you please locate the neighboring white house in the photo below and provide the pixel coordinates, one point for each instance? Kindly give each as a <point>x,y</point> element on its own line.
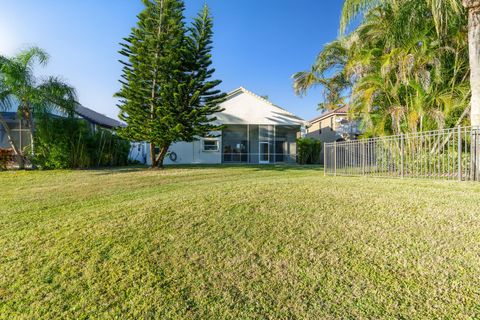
<point>256,131</point>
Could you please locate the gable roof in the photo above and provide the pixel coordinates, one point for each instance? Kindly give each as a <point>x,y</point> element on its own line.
<point>245,107</point>
<point>339,111</point>
<point>97,118</point>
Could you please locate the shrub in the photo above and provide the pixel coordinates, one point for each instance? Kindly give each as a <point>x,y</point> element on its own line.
<point>62,143</point>
<point>309,151</point>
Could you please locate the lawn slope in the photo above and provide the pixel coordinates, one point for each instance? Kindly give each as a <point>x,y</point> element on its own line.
<point>236,242</point>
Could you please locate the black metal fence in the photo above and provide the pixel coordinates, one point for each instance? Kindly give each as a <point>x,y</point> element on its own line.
<point>451,154</point>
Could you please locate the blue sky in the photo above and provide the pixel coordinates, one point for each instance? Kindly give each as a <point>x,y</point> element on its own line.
<point>258,44</point>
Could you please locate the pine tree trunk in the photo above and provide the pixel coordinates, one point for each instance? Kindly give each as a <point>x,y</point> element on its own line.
<point>154,90</point>
<point>473,7</point>
<point>153,157</point>
<point>161,156</point>
<point>18,153</point>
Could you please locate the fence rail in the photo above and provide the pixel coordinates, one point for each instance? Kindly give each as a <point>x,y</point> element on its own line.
<point>450,154</point>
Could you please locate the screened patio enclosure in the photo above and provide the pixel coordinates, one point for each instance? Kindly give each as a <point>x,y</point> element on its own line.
<point>260,144</point>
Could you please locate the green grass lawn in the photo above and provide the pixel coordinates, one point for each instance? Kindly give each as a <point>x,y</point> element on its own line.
<point>236,243</point>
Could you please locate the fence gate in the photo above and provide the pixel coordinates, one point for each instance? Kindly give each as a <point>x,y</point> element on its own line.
<point>451,154</point>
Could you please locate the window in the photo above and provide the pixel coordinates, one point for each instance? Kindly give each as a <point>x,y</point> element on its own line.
<point>210,145</point>
<point>235,142</point>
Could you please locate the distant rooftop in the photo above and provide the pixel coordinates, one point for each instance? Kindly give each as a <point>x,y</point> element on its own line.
<point>342,110</point>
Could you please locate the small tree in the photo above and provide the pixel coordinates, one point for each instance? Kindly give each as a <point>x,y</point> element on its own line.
<point>166,93</point>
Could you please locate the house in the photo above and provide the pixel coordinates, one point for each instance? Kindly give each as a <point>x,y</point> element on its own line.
<point>256,131</point>
<point>20,131</point>
<point>333,126</point>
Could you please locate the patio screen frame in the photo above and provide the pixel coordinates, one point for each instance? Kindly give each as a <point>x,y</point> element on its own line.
<point>241,143</point>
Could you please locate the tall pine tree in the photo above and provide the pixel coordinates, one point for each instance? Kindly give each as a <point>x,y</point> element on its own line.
<point>167,95</point>
<point>201,98</point>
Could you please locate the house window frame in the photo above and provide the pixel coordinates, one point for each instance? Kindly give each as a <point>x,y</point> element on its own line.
<point>217,145</point>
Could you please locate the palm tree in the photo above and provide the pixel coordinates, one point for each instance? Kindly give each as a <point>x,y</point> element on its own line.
<point>442,11</point>
<point>6,104</point>
<point>29,95</point>
<point>327,72</point>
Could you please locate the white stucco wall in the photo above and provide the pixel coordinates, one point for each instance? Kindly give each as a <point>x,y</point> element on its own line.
<point>192,152</point>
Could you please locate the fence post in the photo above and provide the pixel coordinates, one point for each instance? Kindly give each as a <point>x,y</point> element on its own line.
<point>335,158</point>
<point>324,148</point>
<point>475,154</point>
<point>402,155</point>
<point>459,133</point>
<point>363,157</point>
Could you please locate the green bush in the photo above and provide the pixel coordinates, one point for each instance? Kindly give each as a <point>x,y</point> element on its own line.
<point>62,143</point>
<point>309,151</point>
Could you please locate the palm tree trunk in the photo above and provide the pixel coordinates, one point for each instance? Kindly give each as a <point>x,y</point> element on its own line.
<point>9,135</point>
<point>473,7</point>
<point>16,150</point>
<point>31,126</point>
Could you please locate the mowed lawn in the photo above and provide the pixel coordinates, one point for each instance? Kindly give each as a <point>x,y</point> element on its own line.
<point>236,243</point>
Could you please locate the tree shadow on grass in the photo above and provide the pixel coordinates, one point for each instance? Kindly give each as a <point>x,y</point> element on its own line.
<point>286,167</point>
<point>255,167</point>
<point>117,170</point>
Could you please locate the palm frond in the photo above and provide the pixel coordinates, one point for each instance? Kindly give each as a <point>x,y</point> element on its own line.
<point>31,55</point>
<point>55,94</point>
<point>352,9</point>
<point>303,81</point>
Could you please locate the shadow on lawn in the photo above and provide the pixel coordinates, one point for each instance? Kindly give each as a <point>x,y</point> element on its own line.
<point>116,170</point>
<point>255,167</point>
<point>286,167</point>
